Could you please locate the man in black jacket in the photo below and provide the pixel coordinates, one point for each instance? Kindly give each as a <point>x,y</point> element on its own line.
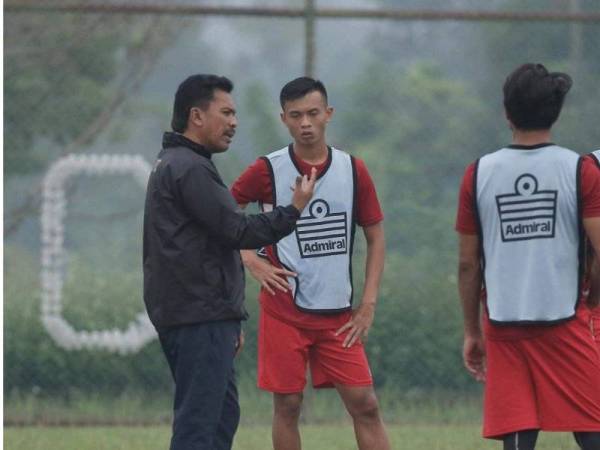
<point>193,275</point>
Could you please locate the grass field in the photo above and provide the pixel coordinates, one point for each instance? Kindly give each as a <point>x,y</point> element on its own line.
<point>80,408</point>
<point>432,421</point>
<point>314,437</point>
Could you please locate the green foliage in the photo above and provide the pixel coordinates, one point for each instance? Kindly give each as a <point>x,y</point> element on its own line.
<point>34,363</point>
<point>265,133</point>
<point>416,130</point>
<point>66,74</point>
<point>564,47</point>
<point>59,69</point>
<point>415,343</point>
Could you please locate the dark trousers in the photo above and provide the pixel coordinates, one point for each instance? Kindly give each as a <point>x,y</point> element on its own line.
<point>206,409</point>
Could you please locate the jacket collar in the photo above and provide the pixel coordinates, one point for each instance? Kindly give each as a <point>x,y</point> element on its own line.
<point>172,139</point>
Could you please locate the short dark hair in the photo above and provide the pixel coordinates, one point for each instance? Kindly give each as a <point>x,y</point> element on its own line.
<point>299,87</point>
<point>533,97</point>
<point>196,91</point>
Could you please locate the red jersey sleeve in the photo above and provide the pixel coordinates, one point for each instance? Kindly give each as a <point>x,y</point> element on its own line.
<point>254,184</point>
<point>466,216</point>
<point>590,187</point>
<point>368,209</point>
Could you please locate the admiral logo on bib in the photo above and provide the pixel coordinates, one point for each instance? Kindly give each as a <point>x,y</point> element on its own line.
<point>528,213</point>
<point>322,233</point>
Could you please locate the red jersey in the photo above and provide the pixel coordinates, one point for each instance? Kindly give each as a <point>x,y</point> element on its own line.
<point>466,223</point>
<point>595,320</point>
<point>254,185</point>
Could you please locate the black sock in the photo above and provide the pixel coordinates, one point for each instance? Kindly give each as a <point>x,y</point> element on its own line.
<point>521,440</point>
<point>588,441</point>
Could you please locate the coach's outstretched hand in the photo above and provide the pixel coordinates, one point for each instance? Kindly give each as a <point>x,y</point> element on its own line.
<point>474,356</point>
<point>304,189</point>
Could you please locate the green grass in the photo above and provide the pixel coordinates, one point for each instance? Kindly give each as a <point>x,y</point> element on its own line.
<point>258,437</point>
<point>435,421</point>
<point>87,408</point>
<point>93,408</point>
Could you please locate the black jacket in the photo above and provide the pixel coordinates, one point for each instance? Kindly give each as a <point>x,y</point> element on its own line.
<point>193,229</point>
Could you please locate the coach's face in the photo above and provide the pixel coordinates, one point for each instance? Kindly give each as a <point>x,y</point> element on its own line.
<point>217,123</point>
<point>306,118</point>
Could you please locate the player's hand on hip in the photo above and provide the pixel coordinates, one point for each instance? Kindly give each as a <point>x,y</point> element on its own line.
<point>269,276</point>
<point>304,188</point>
<point>474,356</point>
<point>358,327</point>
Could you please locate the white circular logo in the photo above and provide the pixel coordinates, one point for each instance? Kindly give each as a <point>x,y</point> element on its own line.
<point>526,184</point>
<point>319,208</point>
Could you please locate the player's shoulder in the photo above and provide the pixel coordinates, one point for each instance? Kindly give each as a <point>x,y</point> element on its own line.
<point>590,167</point>
<point>466,182</point>
<point>488,155</point>
<point>593,158</point>
<point>182,161</point>
<point>491,156</point>
<point>360,166</point>
<point>358,163</point>
<point>282,152</point>
<point>258,166</point>
<point>341,152</point>
<point>470,168</point>
<point>565,154</point>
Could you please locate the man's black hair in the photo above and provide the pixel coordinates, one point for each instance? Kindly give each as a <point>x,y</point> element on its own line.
<point>196,91</point>
<point>533,97</point>
<point>299,87</point>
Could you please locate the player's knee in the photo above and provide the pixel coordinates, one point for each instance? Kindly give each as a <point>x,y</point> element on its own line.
<point>288,406</point>
<point>365,408</point>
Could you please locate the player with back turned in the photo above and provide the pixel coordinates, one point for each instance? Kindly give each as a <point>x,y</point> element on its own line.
<point>522,215</point>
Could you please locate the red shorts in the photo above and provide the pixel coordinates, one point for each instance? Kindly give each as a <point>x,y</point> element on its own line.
<point>550,381</point>
<point>285,350</point>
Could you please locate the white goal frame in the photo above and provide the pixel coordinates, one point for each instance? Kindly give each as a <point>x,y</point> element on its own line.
<point>53,255</point>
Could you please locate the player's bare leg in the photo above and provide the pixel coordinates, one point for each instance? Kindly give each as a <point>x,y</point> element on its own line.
<point>361,403</point>
<point>286,415</point>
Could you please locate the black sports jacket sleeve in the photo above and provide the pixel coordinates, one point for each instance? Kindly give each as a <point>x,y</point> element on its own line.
<point>209,202</point>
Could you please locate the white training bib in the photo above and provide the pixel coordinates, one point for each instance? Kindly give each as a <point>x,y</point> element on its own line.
<point>530,222</point>
<point>320,248</point>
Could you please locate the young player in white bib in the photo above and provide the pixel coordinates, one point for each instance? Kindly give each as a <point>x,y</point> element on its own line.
<point>306,316</point>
